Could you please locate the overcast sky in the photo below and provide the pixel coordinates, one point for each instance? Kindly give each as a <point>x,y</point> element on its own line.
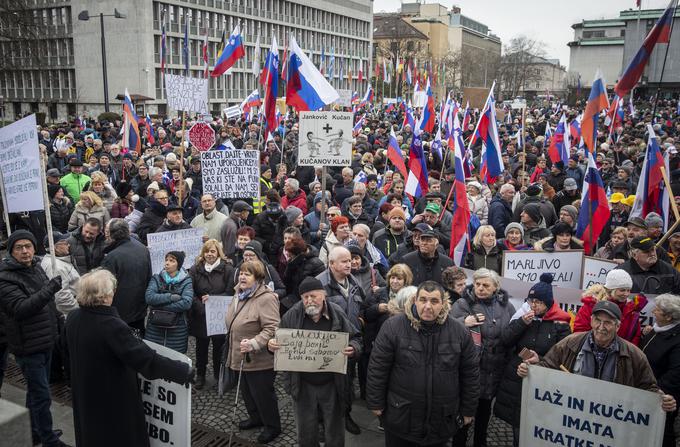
<point>547,21</point>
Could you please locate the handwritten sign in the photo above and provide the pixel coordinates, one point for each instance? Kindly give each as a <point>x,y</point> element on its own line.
<point>569,409</point>
<point>311,351</point>
<point>325,139</point>
<point>595,271</point>
<point>344,98</point>
<point>189,241</point>
<point>527,265</point>
<point>216,314</point>
<point>187,94</point>
<point>231,173</point>
<point>20,165</point>
<point>167,405</point>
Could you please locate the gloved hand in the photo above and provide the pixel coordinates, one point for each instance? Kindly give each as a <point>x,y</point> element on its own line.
<point>175,297</point>
<point>191,377</point>
<point>55,284</point>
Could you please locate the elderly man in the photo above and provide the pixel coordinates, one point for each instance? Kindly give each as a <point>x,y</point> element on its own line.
<point>321,391</point>
<point>369,205</point>
<point>346,189</point>
<point>293,195</point>
<point>424,391</point>
<point>430,216</point>
<point>344,290</point>
<point>28,316</point>
<point>650,274</point>
<point>426,262</point>
<point>130,263</point>
<point>601,354</point>
<point>174,220</point>
<point>500,208</point>
<point>210,219</point>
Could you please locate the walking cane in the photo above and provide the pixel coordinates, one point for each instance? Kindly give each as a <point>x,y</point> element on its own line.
<point>238,388</point>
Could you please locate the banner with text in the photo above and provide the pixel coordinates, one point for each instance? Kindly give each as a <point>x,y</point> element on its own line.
<point>325,139</point>
<point>231,174</point>
<point>527,265</point>
<point>344,98</point>
<point>20,165</point>
<point>216,314</point>
<point>565,409</point>
<point>189,241</point>
<point>167,405</point>
<point>595,271</point>
<point>311,351</point>
<point>187,94</point>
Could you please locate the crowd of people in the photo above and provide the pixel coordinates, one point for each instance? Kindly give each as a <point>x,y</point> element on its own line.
<point>434,347</point>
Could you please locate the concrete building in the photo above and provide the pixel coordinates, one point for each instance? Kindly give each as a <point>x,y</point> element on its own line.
<point>67,79</point>
<point>543,77</point>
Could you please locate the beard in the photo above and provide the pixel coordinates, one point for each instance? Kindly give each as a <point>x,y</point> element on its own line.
<point>312,311</point>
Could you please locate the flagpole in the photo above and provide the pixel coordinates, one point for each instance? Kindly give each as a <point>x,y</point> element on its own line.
<point>181,155</point>
<point>665,58</point>
<point>48,214</point>
<point>524,150</point>
<point>674,207</point>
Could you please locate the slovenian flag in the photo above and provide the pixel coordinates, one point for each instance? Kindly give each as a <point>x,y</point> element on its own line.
<point>394,155</point>
<point>253,100</point>
<point>232,52</point>
<point>368,97</point>
<point>270,79</point>
<point>357,126</point>
<point>651,194</point>
<point>416,183</point>
<point>306,88</point>
<point>149,130</point>
<point>491,161</point>
<point>428,118</point>
<point>594,212</point>
<point>461,209</point>
<point>559,144</point>
<point>597,102</point>
<point>131,139</point>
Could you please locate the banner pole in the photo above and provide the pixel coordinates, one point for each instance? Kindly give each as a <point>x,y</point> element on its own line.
<point>5,214</point>
<point>48,213</point>
<point>181,156</point>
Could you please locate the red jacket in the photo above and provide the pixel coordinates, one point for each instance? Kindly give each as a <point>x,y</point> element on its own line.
<point>630,317</point>
<point>557,314</point>
<point>299,201</point>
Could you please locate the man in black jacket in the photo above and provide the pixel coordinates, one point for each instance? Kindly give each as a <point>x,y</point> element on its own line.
<point>130,263</point>
<point>29,317</point>
<point>650,274</point>
<point>323,390</point>
<point>86,245</point>
<point>423,377</point>
<point>426,262</point>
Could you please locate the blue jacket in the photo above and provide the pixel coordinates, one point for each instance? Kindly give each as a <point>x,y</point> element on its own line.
<point>500,214</point>
<point>158,296</point>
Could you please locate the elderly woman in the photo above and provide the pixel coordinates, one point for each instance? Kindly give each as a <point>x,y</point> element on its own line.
<point>538,326</point>
<point>169,295</point>
<point>617,290</point>
<point>252,319</point>
<point>616,248</point>
<point>105,356</point>
<point>514,238</point>
<point>340,233</point>
<point>486,252</point>
<point>243,236</point>
<point>661,345</point>
<point>562,239</point>
<point>212,274</point>
<point>486,311</point>
<point>99,184</point>
<point>272,279</point>
<point>90,205</point>
<point>477,202</point>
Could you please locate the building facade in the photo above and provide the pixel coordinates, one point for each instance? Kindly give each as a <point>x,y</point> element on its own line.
<point>67,79</point>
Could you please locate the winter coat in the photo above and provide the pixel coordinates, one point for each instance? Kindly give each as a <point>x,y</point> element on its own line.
<point>120,208</point>
<point>480,207</point>
<point>257,320</point>
<point>562,198</point>
<point>81,214</point>
<point>387,242</point>
<point>500,214</point>
<point>423,379</point>
<point>540,335</point>
<point>153,217</point>
<point>362,218</point>
<point>374,318</point>
<point>220,281</point>
<point>630,317</point>
<point>548,244</point>
<point>494,354</point>
<point>159,297</point>
<point>478,257</point>
<point>328,245</point>
<point>297,269</point>
<point>367,276</point>
<point>266,232</point>
<point>610,252</point>
<point>60,213</point>
<point>299,201</point>
<point>86,257</point>
<point>212,223</point>
<point>130,263</point>
<point>106,356</point>
<point>27,311</point>
<point>139,185</point>
<point>546,207</point>
<point>65,298</point>
<point>167,226</point>
<point>294,319</point>
<point>535,234</point>
<point>427,269</point>
<point>108,196</point>
<point>355,303</point>
<point>74,184</point>
<point>663,353</point>
<point>661,278</point>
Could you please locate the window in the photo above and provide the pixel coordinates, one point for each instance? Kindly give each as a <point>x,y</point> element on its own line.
<point>593,34</point>
<point>623,33</point>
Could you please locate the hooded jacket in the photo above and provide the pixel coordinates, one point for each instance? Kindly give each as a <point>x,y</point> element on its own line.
<point>478,257</point>
<point>630,317</point>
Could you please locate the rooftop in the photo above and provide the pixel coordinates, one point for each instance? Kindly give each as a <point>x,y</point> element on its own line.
<point>392,26</point>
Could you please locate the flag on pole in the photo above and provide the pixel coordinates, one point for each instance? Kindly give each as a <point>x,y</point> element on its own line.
<point>436,147</point>
<point>394,155</point>
<point>164,49</point>
<point>131,139</point>
<point>594,212</point>
<point>185,44</point>
<point>427,123</point>
<point>491,160</point>
<point>270,79</point>
<point>306,88</point>
<point>649,196</point>
<point>151,139</point>
<point>359,123</point>
<point>559,144</point>
<point>204,55</point>
<point>416,183</point>
<point>368,97</point>
<point>597,102</point>
<point>230,54</point>
<point>408,118</point>
<point>284,67</point>
<point>252,100</point>
<point>331,63</point>
<point>461,209</point>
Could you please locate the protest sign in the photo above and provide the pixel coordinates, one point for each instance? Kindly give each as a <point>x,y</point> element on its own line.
<point>419,99</point>
<point>189,241</point>
<point>311,351</point>
<point>325,139</point>
<point>565,409</point>
<point>231,174</point>
<point>167,405</point>
<point>202,136</point>
<point>20,165</point>
<point>187,94</point>
<point>233,111</point>
<point>595,271</point>
<point>216,314</point>
<point>344,98</point>
<point>527,265</point>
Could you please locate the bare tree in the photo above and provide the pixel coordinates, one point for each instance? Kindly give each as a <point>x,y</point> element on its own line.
<point>22,39</point>
<point>519,64</point>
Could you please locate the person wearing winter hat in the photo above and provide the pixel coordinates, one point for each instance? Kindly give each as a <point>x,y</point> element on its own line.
<point>253,252</point>
<point>65,299</point>
<point>61,207</point>
<point>562,239</point>
<point>123,204</point>
<point>533,223</point>
<point>167,324</point>
<point>514,238</point>
<point>569,215</point>
<point>388,239</point>
<point>654,225</point>
<point>618,284</point>
<point>538,325</point>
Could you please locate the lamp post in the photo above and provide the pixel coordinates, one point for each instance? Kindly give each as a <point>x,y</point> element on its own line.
<point>85,16</point>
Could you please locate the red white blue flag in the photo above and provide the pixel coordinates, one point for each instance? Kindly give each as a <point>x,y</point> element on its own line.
<point>394,155</point>
<point>232,52</point>
<point>651,194</point>
<point>461,209</point>
<point>597,102</point>
<point>594,212</point>
<point>131,139</point>
<point>416,183</point>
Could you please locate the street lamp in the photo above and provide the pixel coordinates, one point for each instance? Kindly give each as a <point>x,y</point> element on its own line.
<point>85,16</point>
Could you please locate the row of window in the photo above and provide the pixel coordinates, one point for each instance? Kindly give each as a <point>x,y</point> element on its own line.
<point>47,84</point>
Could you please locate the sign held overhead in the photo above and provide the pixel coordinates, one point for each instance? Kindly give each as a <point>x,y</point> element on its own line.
<point>325,139</point>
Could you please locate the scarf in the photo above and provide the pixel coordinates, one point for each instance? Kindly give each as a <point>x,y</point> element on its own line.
<point>668,327</point>
<point>210,267</point>
<point>170,279</point>
<point>244,294</point>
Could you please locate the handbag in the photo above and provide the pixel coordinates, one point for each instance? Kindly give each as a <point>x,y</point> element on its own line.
<point>164,318</point>
<point>228,378</point>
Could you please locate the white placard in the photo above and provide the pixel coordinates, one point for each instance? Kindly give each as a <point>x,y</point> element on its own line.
<point>232,112</point>
<point>187,94</point>
<point>20,164</point>
<point>389,100</point>
<point>563,409</point>
<point>189,241</point>
<point>325,139</point>
<point>311,351</point>
<point>420,99</point>
<point>167,405</point>
<point>345,98</point>
<point>231,174</point>
<point>527,265</point>
<point>595,271</point>
<point>216,314</point>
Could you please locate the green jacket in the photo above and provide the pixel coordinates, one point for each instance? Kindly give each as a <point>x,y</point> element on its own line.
<point>74,184</point>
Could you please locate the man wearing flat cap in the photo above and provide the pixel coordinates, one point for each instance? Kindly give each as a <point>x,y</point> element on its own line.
<point>650,274</point>
<point>323,392</point>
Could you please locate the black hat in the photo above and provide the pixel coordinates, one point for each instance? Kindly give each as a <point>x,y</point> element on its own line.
<point>123,189</point>
<point>643,243</point>
<point>542,290</point>
<point>75,162</point>
<point>534,189</point>
<point>434,195</point>
<point>449,170</point>
<point>559,165</point>
<point>422,227</point>
<point>608,307</point>
<point>195,159</point>
<point>19,235</point>
<point>308,284</point>
<point>429,233</point>
<point>264,168</point>
<point>57,236</point>
<point>240,206</point>
<point>54,172</point>
<point>371,177</point>
<point>255,247</point>
<point>174,207</point>
<point>52,190</point>
<point>179,257</point>
<point>354,249</point>
<point>533,210</point>
<point>638,222</point>
<point>561,228</point>
<point>619,184</point>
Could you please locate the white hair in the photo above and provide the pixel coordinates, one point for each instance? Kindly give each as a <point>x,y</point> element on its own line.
<point>293,183</point>
<point>670,305</point>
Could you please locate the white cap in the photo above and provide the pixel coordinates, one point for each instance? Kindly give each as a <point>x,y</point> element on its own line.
<point>618,279</point>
